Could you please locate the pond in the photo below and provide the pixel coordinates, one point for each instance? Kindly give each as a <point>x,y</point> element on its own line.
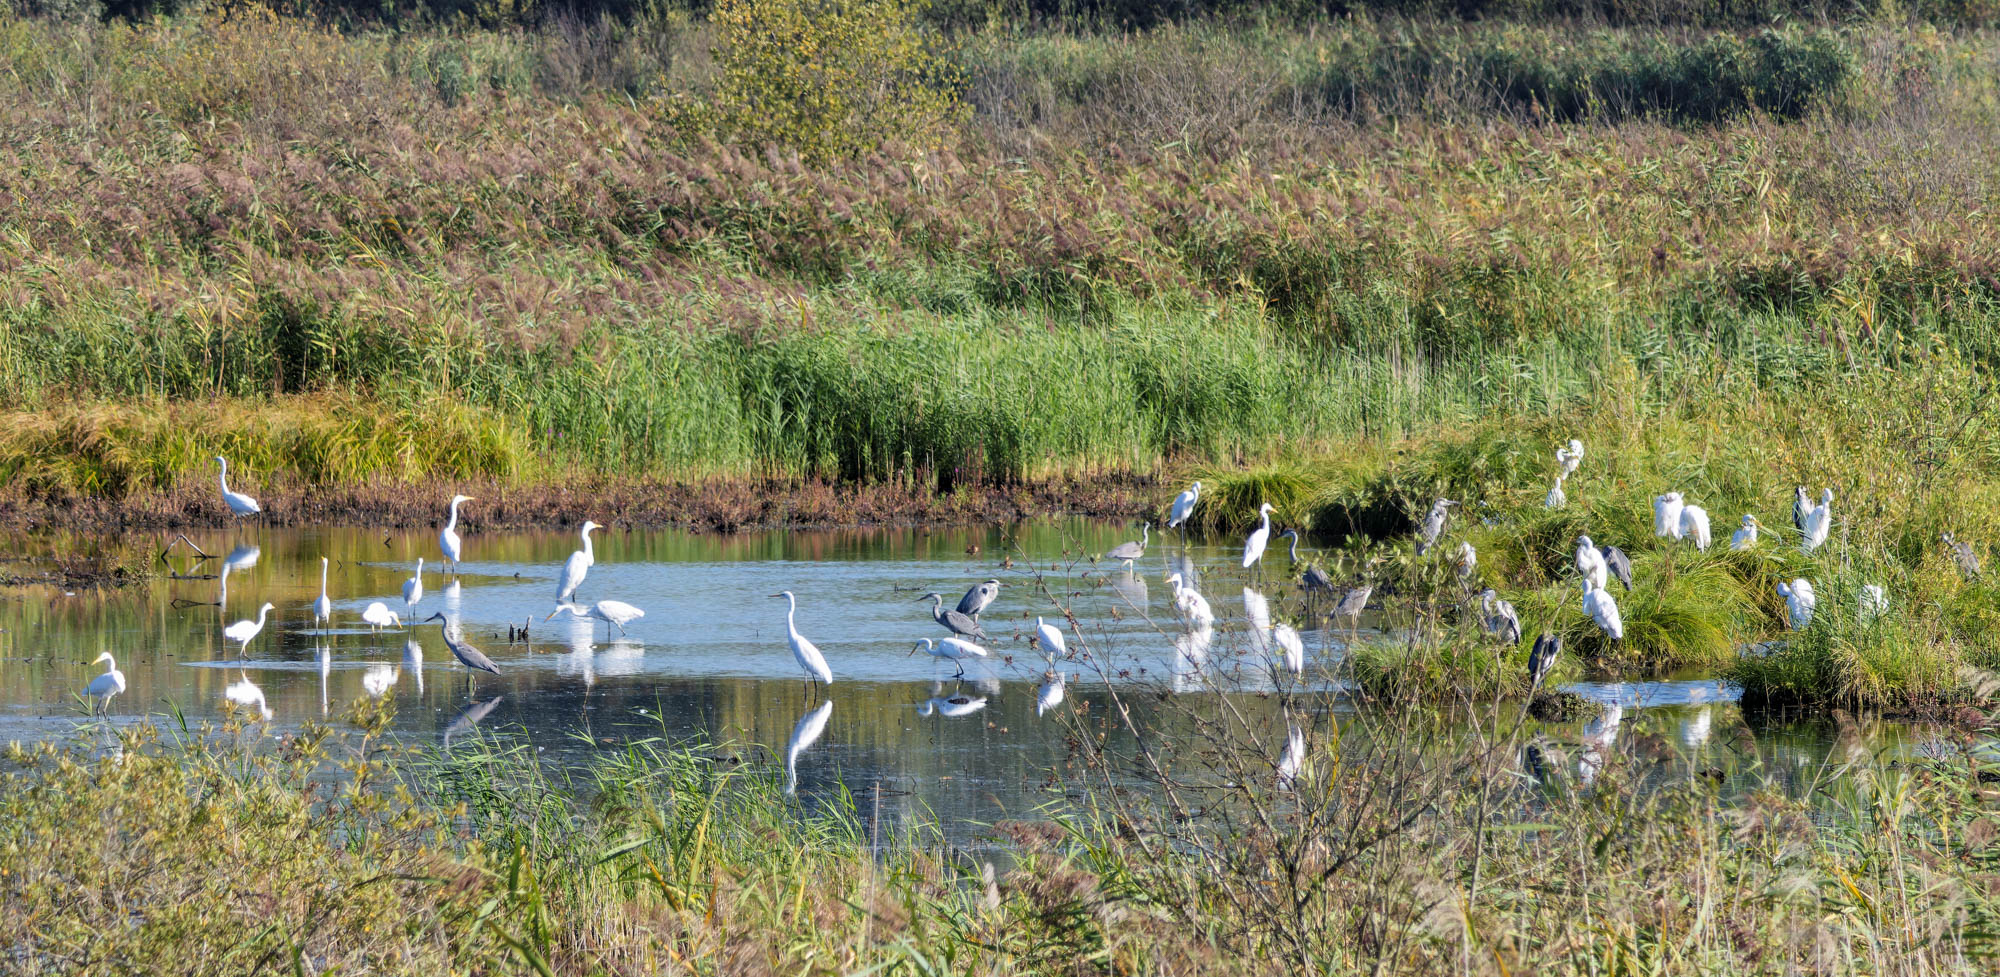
<point>710,658</point>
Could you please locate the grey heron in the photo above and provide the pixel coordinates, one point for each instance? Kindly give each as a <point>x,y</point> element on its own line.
<point>1313,579</point>
<point>1542,658</point>
<point>577,566</point>
<point>952,620</point>
<point>1127,552</point>
<point>111,682</point>
<point>467,655</point>
<point>1618,563</point>
<point>979,598</point>
<point>239,504</point>
<point>243,632</point>
<point>1499,617</point>
<point>1963,555</point>
<point>448,540</point>
<point>1433,525</point>
<point>803,651</point>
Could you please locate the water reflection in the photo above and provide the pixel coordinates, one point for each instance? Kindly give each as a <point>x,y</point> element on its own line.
<point>469,717</point>
<point>805,733</point>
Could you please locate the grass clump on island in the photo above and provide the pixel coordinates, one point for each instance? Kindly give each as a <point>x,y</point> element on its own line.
<point>1405,845</point>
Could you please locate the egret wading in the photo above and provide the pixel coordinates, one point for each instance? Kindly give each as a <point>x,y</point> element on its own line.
<point>951,619</point>
<point>413,590</point>
<point>614,614</point>
<point>1050,638</point>
<point>1190,604</point>
<point>804,652</point>
<point>1183,507</point>
<point>243,632</point>
<point>378,616</point>
<point>1253,547</point>
<point>448,540</point>
<point>979,598</point>
<point>1127,552</point>
<point>577,566</point>
<point>1433,525</point>
<point>1500,619</point>
<point>111,682</point>
<point>472,658</point>
<point>322,605</point>
<point>240,505</point>
<point>954,650</point>
<point>1746,537</point>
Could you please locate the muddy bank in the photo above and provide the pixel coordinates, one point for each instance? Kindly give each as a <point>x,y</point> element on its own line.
<point>714,506</point>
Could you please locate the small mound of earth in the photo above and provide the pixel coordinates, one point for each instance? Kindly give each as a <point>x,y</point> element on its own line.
<point>1561,707</point>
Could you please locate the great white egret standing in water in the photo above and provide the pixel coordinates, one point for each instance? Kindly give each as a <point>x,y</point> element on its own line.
<point>448,540</point>
<point>954,650</point>
<point>110,683</point>
<point>413,590</point>
<point>379,616</point>
<point>243,632</point>
<point>1253,548</point>
<point>614,614</point>
<point>322,605</point>
<point>578,564</point>
<point>1190,603</point>
<point>1051,639</point>
<point>239,504</point>
<point>803,651</point>
<point>1183,507</point>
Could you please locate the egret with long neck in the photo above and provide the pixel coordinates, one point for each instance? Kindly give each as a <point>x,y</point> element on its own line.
<point>448,540</point>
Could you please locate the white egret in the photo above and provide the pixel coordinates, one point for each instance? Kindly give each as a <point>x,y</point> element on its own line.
<point>1051,639</point>
<point>378,616</point>
<point>1499,619</point>
<point>1288,641</point>
<point>413,590</point>
<point>243,632</point>
<point>1746,537</point>
<point>1433,525</point>
<point>1468,560</point>
<point>245,693</point>
<point>1293,760</point>
<point>1818,523</point>
<point>614,613</point>
<point>1189,603</point>
<point>979,598</point>
<point>951,707</point>
<point>239,504</point>
<point>1963,555</point>
<point>578,565</point>
<point>1050,693</point>
<point>108,684</point>
<point>1556,499</point>
<point>1874,602</point>
<point>466,654</point>
<point>1542,658</point>
<point>322,605</point>
<point>1619,564</point>
<point>1253,548</point>
<point>952,620</point>
<point>1568,458</point>
<point>803,651</point>
<point>954,650</point>
<point>1667,515</point>
<point>1694,526</point>
<point>1590,562</point>
<point>1183,506</point>
<point>805,733</point>
<point>1598,604</point>
<point>1799,602</point>
<point>448,540</point>
<point>1125,553</point>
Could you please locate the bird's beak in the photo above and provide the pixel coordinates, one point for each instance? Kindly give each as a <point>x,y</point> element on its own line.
<point>774,595</point>
<point>551,617</point>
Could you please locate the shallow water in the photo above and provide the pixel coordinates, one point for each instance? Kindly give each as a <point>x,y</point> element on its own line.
<point>710,657</point>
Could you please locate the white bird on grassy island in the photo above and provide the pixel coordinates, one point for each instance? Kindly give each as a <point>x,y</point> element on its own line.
<point>1874,602</point>
<point>1433,525</point>
<point>1294,648</point>
<point>322,605</point>
<point>448,540</point>
<point>1051,639</point>
<point>466,654</point>
<point>108,684</point>
<point>804,735</point>
<point>1468,560</point>
<point>979,598</point>
<point>1500,619</point>
<point>1694,526</point>
<point>614,613</point>
<point>378,616</point>
<point>1667,515</point>
<point>1799,602</point>
<point>577,566</point>
<point>954,650</point>
<point>239,504</point>
<point>1183,507</point>
<point>1050,693</point>
<point>243,632</point>
<point>1746,537</point>
<point>1556,499</point>
<point>1590,563</point>
<point>245,693</point>
<point>803,651</point>
<point>1818,523</point>
<point>1127,552</point>
<point>1253,548</point>
<point>1568,458</point>
<point>1597,603</point>
<point>1191,604</point>
<point>413,590</point>
<point>1293,760</point>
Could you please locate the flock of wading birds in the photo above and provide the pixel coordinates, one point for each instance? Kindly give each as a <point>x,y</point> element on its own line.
<point>1673,518</point>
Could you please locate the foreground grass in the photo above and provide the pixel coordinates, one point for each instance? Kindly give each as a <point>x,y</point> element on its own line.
<point>1410,845</point>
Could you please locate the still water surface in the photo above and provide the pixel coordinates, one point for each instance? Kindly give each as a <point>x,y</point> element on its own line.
<point>710,658</point>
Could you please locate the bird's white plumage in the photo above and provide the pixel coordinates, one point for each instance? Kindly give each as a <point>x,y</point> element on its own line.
<point>577,566</point>
<point>245,693</point>
<point>1818,523</point>
<point>242,632</point>
<point>1667,515</point>
<point>1799,602</point>
<point>413,590</point>
<point>1183,505</point>
<point>1293,760</point>
<point>1694,526</point>
<point>1051,638</point>
<point>1468,560</point>
<point>378,614</point>
<point>1745,537</point>
<point>239,504</point>
<point>615,613</point>
<point>1556,498</point>
<point>1287,639</point>
<point>804,652</point>
<point>1568,458</point>
<point>951,649</point>
<point>1590,563</point>
<point>1253,548</point>
<point>108,684</point>
<point>1598,603</point>
<point>448,540</point>
<point>1874,602</point>
<point>1191,604</point>
<point>322,605</point>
